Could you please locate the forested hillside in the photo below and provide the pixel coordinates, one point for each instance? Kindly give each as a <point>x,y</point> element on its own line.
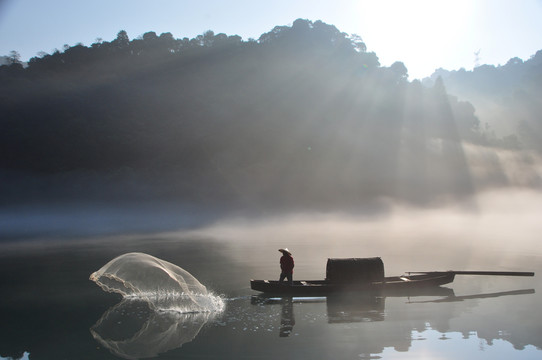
<point>303,117</point>
<point>506,97</point>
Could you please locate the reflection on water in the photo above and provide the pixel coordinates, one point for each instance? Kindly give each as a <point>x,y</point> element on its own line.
<point>287,317</point>
<point>47,304</point>
<point>133,330</point>
<point>362,309</point>
<point>164,306</point>
<point>481,296</point>
<point>373,324</point>
<point>353,307</point>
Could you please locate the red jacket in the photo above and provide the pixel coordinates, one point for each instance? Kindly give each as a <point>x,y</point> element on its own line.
<point>287,264</point>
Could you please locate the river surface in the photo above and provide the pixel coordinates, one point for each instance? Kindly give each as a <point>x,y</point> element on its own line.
<point>50,309</point>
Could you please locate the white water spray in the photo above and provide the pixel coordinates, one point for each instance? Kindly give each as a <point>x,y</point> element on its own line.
<point>163,285</point>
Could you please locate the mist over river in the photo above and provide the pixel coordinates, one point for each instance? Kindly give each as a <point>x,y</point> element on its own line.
<point>146,178</point>
<point>50,309</point>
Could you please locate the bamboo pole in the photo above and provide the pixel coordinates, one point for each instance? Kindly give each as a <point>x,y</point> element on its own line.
<point>500,273</point>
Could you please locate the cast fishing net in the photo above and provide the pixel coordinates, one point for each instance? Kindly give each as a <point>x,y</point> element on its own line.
<point>163,285</point>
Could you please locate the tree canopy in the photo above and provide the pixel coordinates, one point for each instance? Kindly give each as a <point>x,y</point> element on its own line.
<point>505,97</point>
<point>304,116</point>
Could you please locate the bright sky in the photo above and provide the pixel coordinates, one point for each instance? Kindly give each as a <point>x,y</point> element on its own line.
<point>424,34</point>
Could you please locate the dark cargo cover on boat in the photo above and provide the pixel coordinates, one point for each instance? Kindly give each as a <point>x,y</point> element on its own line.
<point>355,270</point>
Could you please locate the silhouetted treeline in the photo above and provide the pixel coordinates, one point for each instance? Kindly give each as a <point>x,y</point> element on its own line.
<point>506,97</point>
<point>304,116</point>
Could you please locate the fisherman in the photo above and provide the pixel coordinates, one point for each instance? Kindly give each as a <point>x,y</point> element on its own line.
<point>286,266</point>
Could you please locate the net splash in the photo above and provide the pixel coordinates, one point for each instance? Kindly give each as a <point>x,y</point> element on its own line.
<point>163,285</point>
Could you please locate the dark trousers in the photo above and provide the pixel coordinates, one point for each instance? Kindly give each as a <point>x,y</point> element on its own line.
<point>288,276</point>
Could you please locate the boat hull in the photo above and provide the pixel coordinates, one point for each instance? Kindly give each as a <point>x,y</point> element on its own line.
<point>390,285</point>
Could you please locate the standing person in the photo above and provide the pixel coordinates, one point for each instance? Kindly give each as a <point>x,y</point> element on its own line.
<point>286,266</point>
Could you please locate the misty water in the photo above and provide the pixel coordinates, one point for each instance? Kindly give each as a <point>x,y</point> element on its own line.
<point>51,310</point>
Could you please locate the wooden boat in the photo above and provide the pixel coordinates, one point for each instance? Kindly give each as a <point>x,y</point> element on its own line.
<point>389,284</point>
<point>366,275</point>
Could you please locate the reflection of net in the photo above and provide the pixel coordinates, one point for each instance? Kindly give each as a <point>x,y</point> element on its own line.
<point>133,331</point>
<point>164,285</point>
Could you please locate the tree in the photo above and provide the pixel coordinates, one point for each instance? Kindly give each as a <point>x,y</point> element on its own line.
<point>122,39</point>
<point>14,57</point>
<point>399,70</point>
<point>358,43</point>
<point>514,61</point>
<point>150,36</point>
<point>208,38</point>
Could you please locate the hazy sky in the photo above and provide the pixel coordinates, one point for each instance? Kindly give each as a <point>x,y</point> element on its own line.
<point>424,34</point>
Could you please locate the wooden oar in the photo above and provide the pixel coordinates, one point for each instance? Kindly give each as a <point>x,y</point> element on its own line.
<point>499,273</point>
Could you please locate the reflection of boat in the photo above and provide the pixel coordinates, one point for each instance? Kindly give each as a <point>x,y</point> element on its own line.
<point>347,307</point>
<point>453,298</point>
<point>366,275</point>
<point>352,307</point>
<point>354,297</point>
<point>133,330</point>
